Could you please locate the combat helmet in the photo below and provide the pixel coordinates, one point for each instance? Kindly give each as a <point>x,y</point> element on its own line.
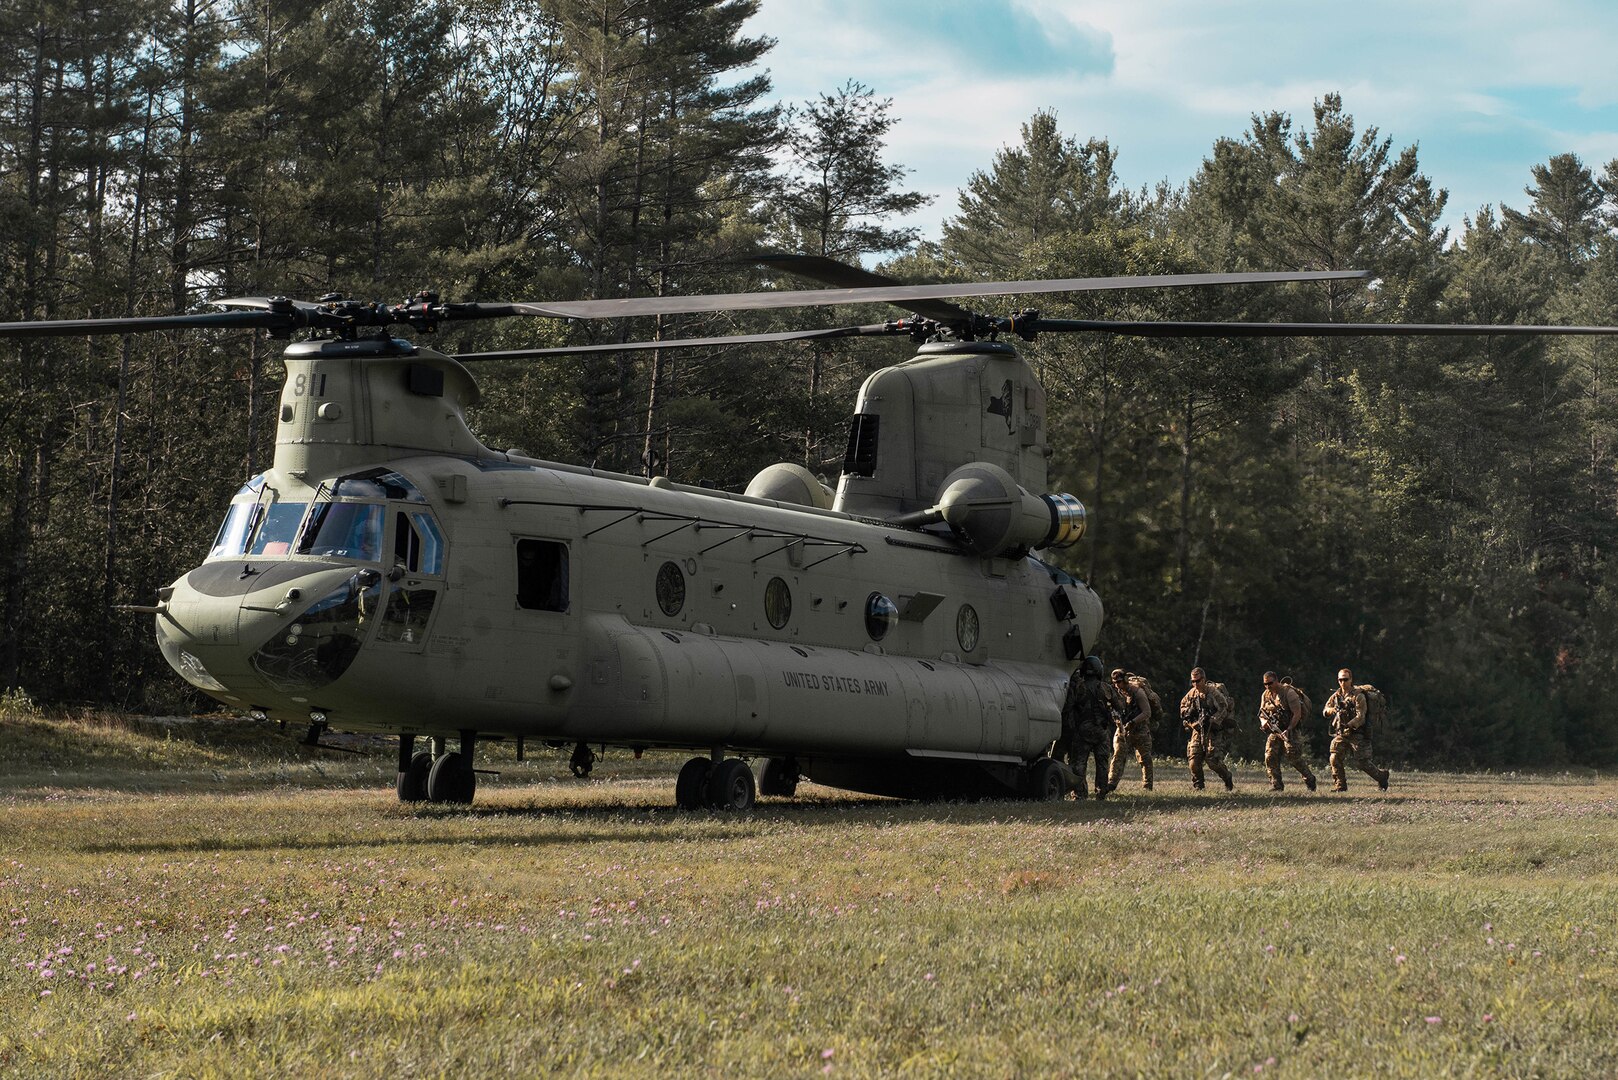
<point>1091,667</point>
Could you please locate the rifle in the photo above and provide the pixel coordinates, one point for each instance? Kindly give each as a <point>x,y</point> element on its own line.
<point>1199,718</point>
<point>1343,722</point>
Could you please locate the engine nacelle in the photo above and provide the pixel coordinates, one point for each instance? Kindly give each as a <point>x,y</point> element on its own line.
<point>992,515</point>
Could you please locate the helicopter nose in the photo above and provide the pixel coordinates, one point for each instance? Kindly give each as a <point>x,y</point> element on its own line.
<point>232,629</point>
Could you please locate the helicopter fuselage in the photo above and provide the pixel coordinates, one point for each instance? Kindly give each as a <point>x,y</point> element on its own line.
<point>448,589</point>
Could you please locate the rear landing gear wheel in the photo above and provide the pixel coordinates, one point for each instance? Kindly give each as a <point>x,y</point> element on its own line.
<point>690,788</point>
<point>778,776</point>
<point>452,779</point>
<point>730,785</point>
<point>1046,782</point>
<point>413,778</point>
<point>582,761</point>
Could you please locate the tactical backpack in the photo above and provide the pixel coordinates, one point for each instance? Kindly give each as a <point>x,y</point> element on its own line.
<point>1308,706</point>
<point>1221,691</point>
<point>1139,682</point>
<point>1376,709</point>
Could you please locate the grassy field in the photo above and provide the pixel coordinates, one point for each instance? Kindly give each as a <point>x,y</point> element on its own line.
<point>202,898</point>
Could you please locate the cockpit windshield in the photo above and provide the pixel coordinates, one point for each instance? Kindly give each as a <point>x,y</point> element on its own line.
<point>257,523</point>
<point>278,528</point>
<point>346,530</point>
<point>347,520</point>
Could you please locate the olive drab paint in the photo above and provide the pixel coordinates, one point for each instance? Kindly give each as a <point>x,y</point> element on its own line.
<point>896,637</point>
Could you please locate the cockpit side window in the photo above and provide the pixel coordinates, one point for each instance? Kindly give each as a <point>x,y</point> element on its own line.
<point>240,521</point>
<point>233,534</point>
<point>542,575</point>
<point>418,545</point>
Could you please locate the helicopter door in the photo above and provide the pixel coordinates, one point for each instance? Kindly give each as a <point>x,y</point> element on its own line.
<point>418,562</point>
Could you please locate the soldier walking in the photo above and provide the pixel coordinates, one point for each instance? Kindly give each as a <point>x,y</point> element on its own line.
<point>1087,722</point>
<point>1205,712</point>
<point>1348,712</point>
<point>1134,731</point>
<point>1280,711</point>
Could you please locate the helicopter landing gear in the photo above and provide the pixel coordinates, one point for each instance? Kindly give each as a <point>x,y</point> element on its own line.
<point>582,761</point>
<point>451,778</point>
<point>413,769</point>
<point>1045,781</point>
<point>717,785</point>
<point>778,776</point>
<point>690,787</point>
<point>730,785</point>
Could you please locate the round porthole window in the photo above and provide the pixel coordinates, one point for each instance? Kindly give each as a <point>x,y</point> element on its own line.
<point>670,589</point>
<point>777,602</point>
<point>880,616</point>
<point>966,627</point>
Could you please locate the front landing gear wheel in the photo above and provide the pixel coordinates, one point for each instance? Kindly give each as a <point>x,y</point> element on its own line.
<point>413,779</point>
<point>730,785</point>
<point>1046,782</point>
<point>451,779</point>
<point>582,761</point>
<point>690,788</point>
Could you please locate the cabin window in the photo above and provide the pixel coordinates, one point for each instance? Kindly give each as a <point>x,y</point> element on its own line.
<point>966,628</point>
<point>777,602</point>
<point>861,457</point>
<point>541,575</point>
<point>881,615</point>
<point>670,588</point>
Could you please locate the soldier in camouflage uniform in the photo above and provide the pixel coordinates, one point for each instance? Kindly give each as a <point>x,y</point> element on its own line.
<point>1205,713</point>
<point>1087,723</point>
<point>1280,711</point>
<point>1134,731</point>
<point>1350,738</point>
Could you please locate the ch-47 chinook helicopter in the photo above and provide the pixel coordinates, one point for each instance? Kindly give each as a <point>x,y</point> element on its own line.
<point>390,573</point>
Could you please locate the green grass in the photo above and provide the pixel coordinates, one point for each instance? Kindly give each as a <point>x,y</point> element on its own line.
<point>253,908</point>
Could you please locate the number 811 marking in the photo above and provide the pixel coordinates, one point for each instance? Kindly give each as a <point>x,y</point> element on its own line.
<point>313,385</point>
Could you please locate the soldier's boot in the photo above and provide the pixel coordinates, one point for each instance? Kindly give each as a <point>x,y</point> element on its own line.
<point>1382,781</point>
<point>1277,785</point>
<point>1309,781</point>
<point>1146,772</point>
<point>1197,785</point>
<point>1338,775</point>
<point>1223,772</point>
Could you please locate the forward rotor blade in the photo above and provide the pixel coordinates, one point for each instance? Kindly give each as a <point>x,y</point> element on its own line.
<point>1256,330</point>
<point>831,272</point>
<point>674,305</point>
<point>216,320</point>
<point>871,330</point>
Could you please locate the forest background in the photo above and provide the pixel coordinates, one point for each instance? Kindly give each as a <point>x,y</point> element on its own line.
<point>1437,513</point>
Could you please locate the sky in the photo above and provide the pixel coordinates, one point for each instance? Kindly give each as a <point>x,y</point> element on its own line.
<point>1485,89</point>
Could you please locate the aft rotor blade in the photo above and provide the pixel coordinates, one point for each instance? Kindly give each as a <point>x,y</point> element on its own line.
<point>1256,330</point>
<point>843,275</point>
<point>674,305</point>
<point>215,320</point>
<point>871,330</point>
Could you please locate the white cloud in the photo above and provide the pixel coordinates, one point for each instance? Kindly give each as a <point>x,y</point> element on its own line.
<point>1486,88</point>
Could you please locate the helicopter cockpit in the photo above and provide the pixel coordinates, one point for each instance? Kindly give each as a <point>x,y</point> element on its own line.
<point>346,520</point>
<point>377,522</point>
